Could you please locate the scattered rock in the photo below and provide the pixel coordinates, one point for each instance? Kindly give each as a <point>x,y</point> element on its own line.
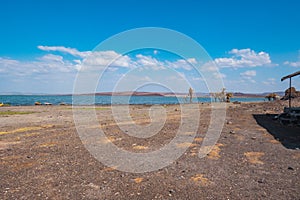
<point>261,180</point>
<point>94,186</point>
<point>171,191</point>
<point>253,138</point>
<point>229,122</point>
<point>232,132</point>
<point>290,168</point>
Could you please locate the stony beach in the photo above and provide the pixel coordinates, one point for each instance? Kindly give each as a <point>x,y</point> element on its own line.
<point>42,156</point>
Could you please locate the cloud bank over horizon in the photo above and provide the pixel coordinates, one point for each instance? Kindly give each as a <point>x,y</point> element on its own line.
<point>55,71</point>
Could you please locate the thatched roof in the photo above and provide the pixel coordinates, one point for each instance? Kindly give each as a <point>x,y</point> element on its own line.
<point>291,75</point>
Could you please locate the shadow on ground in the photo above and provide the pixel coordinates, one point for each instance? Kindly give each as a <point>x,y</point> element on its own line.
<point>288,136</point>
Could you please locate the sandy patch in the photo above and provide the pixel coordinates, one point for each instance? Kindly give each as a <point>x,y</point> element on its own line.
<point>197,139</point>
<point>139,147</point>
<point>215,152</point>
<point>273,141</point>
<point>200,179</point>
<point>5,145</point>
<point>254,157</point>
<point>185,145</point>
<point>109,169</point>
<point>48,144</point>
<point>138,180</point>
<point>25,129</point>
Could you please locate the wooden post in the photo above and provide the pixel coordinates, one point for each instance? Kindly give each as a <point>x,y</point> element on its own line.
<point>290,94</point>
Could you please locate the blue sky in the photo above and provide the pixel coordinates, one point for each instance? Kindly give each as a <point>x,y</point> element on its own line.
<point>254,43</point>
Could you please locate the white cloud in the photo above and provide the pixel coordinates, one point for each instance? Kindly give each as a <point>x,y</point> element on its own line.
<point>87,60</point>
<point>197,79</point>
<point>77,61</point>
<point>209,67</point>
<point>249,73</point>
<point>244,58</point>
<point>292,64</point>
<point>219,75</point>
<point>52,58</point>
<point>104,58</point>
<point>55,66</point>
<point>43,65</point>
<point>7,62</point>
<point>101,59</point>
<point>192,60</point>
<point>148,62</point>
<point>179,64</point>
<point>71,51</point>
<point>270,81</point>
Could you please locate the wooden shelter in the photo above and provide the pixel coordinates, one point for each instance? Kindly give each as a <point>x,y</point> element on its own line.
<point>290,77</point>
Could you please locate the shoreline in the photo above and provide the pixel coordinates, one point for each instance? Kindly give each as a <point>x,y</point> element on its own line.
<point>120,100</point>
<point>104,105</point>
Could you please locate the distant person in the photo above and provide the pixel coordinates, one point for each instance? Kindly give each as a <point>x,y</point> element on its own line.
<point>191,94</point>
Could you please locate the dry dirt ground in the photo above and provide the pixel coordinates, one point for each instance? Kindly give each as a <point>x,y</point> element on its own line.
<point>42,156</point>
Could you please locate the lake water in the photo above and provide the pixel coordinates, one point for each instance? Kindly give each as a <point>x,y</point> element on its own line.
<point>106,100</point>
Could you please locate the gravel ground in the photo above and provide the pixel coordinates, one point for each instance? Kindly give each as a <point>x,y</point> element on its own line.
<point>42,156</point>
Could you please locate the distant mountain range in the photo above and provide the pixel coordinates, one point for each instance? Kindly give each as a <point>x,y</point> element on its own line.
<point>235,94</point>
<point>239,94</point>
<point>127,93</point>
